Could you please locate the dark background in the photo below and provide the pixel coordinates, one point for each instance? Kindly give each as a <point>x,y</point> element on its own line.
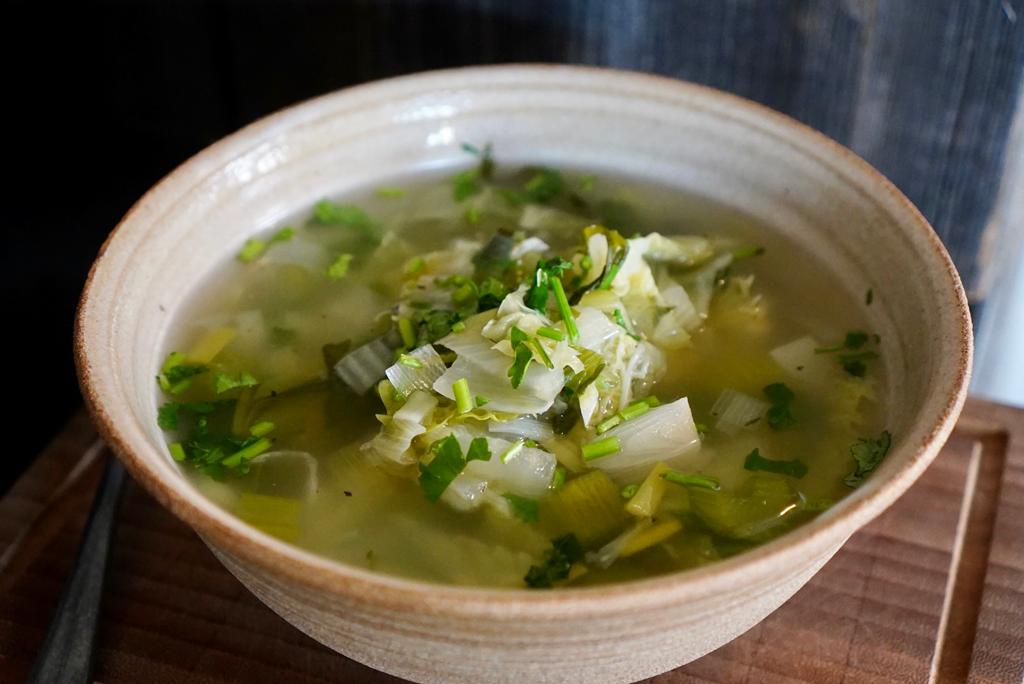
<point>103,99</point>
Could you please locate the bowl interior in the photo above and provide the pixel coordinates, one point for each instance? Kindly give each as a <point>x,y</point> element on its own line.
<point>811,191</point>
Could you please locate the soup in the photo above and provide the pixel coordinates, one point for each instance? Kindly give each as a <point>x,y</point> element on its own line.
<point>528,378</point>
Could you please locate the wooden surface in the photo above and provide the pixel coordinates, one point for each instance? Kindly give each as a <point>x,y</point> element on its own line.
<point>931,591</point>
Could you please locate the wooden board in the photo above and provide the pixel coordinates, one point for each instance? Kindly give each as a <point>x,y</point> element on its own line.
<point>931,591</point>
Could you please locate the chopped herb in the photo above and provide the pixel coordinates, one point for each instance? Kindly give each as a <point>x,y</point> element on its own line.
<point>390,193</point>
<point>608,423</point>
<point>780,415</point>
<point>557,563</point>
<point>481,400</point>
<point>550,333</point>
<point>222,382</point>
<point>854,363</point>
<point>543,186</point>
<point>691,480</point>
<point>282,337</point>
<point>599,448</point>
<point>177,451</point>
<point>414,266</point>
<point>409,361</point>
<point>541,282</point>
<point>868,453</point>
<point>625,324</point>
<point>463,398</point>
<point>747,251</point>
<point>636,409</point>
<point>262,428</point>
<point>525,509</point>
<point>629,491</point>
<point>568,319</point>
<point>542,353</point>
<point>458,326</point>
<point>407,332</point>
<point>339,267</point>
<point>517,371</point>
<point>793,468</point>
<point>513,450</point>
<point>478,450</point>
<point>251,250</point>
<point>327,213</point>
<point>558,479</point>
<point>443,468</point>
<point>490,293</point>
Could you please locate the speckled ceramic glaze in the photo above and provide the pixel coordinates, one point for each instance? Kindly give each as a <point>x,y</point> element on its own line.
<point>702,141</point>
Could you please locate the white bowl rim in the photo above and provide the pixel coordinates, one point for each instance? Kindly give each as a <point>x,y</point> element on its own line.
<point>318,573</point>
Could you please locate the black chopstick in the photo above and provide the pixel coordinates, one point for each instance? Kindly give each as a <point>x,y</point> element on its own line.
<point>67,654</point>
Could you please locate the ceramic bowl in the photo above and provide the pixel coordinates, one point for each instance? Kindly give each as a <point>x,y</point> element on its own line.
<point>816,193</point>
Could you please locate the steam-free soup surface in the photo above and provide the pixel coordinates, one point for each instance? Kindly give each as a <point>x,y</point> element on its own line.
<point>523,378</point>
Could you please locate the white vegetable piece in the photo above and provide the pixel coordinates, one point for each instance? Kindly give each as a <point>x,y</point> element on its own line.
<point>736,411</point>
<point>595,328</point>
<point>531,245</point>
<point>523,427</point>
<point>395,437</point>
<point>665,433</point>
<point>803,365</point>
<point>409,378</point>
<point>362,368</point>
<point>528,473</point>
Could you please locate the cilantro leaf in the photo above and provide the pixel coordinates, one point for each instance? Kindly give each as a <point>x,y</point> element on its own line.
<point>868,453</point>
<point>517,371</point>
<point>183,371</point>
<point>524,508</point>
<point>780,415</point>
<point>543,186</point>
<point>222,382</point>
<point>446,465</point>
<point>557,563</point>
<point>792,468</point>
<point>478,450</point>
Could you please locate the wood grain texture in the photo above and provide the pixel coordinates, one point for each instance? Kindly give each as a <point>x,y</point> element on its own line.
<point>931,591</point>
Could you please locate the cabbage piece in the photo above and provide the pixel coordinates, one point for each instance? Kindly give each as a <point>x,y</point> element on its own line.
<point>395,438</point>
<point>407,377</point>
<point>362,368</point>
<point>513,311</point>
<point>805,367</point>
<point>524,427</point>
<point>682,250</point>
<point>675,325</point>
<point>531,245</point>
<point>736,410</point>
<point>700,284</point>
<point>665,433</point>
<point>486,370</point>
<point>595,329</point>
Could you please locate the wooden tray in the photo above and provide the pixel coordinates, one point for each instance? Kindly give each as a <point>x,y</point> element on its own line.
<point>931,591</point>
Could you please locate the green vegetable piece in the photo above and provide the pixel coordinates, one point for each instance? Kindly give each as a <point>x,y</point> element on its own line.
<point>550,333</point>
<point>478,450</point>
<point>695,480</point>
<point>339,267</point>
<point>608,423</point>
<point>251,451</point>
<point>177,451</point>
<point>465,184</point>
<point>481,400</point>
<point>635,410</point>
<point>517,371</point>
<point>222,382</point>
<point>524,508</point>
<point>513,450</point>
<point>409,361</point>
<point>408,332</point>
<point>624,323</point>
<point>558,479</point>
<point>463,397</point>
<point>443,468</point>
<point>758,511</point>
<point>629,491</point>
<point>262,428</point>
<point>780,414</point>
<point>414,266</point>
<point>557,563</point>
<point>588,506</point>
<point>792,468</point>
<point>868,453</point>
<point>599,448</point>
<point>563,307</point>
<point>251,250</point>
<point>543,186</point>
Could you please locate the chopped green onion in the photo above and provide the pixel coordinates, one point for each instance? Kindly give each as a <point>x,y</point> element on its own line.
<point>565,310</point>
<point>550,333</point>
<point>177,451</point>
<point>250,452</point>
<point>541,352</point>
<point>629,491</point>
<point>339,267</point>
<point>251,250</point>
<point>691,480</point>
<point>624,323</point>
<point>608,423</point>
<point>513,451</point>
<point>409,361</point>
<point>481,400</point>
<point>262,428</point>
<point>458,326</point>
<point>408,333</point>
<point>558,479</point>
<point>463,398</point>
<point>635,410</point>
<point>602,447</point>
<point>653,401</point>
<point>414,266</point>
